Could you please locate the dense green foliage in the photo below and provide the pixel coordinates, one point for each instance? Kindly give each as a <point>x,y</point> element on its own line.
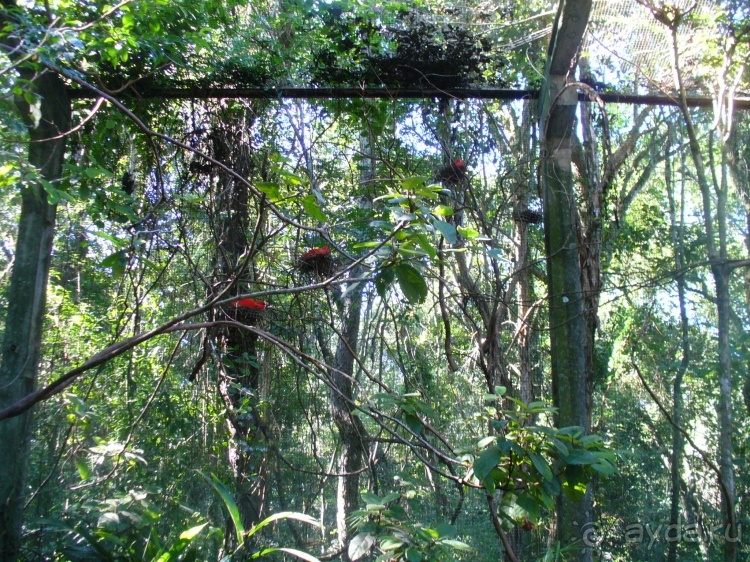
<point>181,447</point>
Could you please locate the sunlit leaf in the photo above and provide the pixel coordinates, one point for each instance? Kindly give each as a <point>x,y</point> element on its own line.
<point>360,545</point>
<point>311,207</point>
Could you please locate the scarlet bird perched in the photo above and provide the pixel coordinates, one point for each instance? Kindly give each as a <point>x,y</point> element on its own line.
<point>252,304</point>
<point>453,172</point>
<point>316,253</point>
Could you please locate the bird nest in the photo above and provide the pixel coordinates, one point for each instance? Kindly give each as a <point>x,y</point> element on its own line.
<point>317,261</point>
<point>453,172</point>
<point>528,216</point>
<point>246,310</point>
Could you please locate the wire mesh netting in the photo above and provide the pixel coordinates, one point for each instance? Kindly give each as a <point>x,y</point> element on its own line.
<point>625,40</point>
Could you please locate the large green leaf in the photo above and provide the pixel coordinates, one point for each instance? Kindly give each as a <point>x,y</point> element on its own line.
<point>186,537</point>
<point>283,515</point>
<point>234,511</point>
<point>311,207</point>
<point>292,551</point>
<point>411,282</point>
<point>272,190</point>
<point>541,465</point>
<point>360,545</point>
<point>447,230</point>
<point>486,462</point>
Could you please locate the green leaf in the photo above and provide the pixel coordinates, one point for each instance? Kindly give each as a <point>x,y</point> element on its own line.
<point>468,232</point>
<point>292,179</point>
<point>117,262</point>
<point>456,545</point>
<point>383,280</point>
<point>360,545</point>
<point>496,253</point>
<point>186,537</point>
<point>413,555</point>
<point>83,468</point>
<point>292,551</point>
<point>426,245</point>
<point>271,190</point>
<point>579,457</point>
<point>541,465</point>
<point>486,462</point>
<point>283,515</point>
<point>118,242</point>
<point>427,191</point>
<point>413,423</point>
<point>370,498</point>
<point>310,205</point>
<point>518,506</point>
<point>447,230</point>
<point>486,441</point>
<point>391,497</point>
<point>410,184</point>
<point>604,467</point>
<point>234,511</point>
<point>442,211</point>
<point>561,447</point>
<point>390,543</point>
<point>411,282</point>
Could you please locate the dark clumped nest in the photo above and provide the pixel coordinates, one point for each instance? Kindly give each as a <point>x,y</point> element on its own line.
<point>317,261</point>
<point>416,51</point>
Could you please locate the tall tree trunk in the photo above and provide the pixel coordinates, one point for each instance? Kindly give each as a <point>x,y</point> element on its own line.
<point>567,331</point>
<point>26,301</point>
<point>239,376</point>
<point>677,229</point>
<point>350,427</point>
<point>341,401</point>
<point>720,271</point>
<point>738,156</point>
<point>523,262</point>
<point>590,238</point>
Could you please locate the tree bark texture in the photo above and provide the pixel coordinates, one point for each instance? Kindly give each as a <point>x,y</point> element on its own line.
<point>677,230</point>
<point>26,302</point>
<point>350,428</point>
<point>239,374</point>
<point>567,331</point>
<point>720,272</point>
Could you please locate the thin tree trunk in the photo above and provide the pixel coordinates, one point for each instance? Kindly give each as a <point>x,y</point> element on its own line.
<point>523,268</point>
<point>590,239</point>
<point>677,403</point>
<point>738,158</point>
<point>26,302</point>
<point>341,402</point>
<point>350,428</point>
<point>720,272</point>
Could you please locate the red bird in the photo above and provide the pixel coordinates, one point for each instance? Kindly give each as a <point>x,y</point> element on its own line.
<point>249,303</point>
<point>455,171</point>
<point>316,252</point>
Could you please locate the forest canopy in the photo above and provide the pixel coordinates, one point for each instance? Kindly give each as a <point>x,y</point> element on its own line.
<point>356,280</point>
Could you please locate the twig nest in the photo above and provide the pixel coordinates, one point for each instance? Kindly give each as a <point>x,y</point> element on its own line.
<point>453,172</point>
<point>317,260</point>
<point>246,310</point>
<point>528,216</point>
